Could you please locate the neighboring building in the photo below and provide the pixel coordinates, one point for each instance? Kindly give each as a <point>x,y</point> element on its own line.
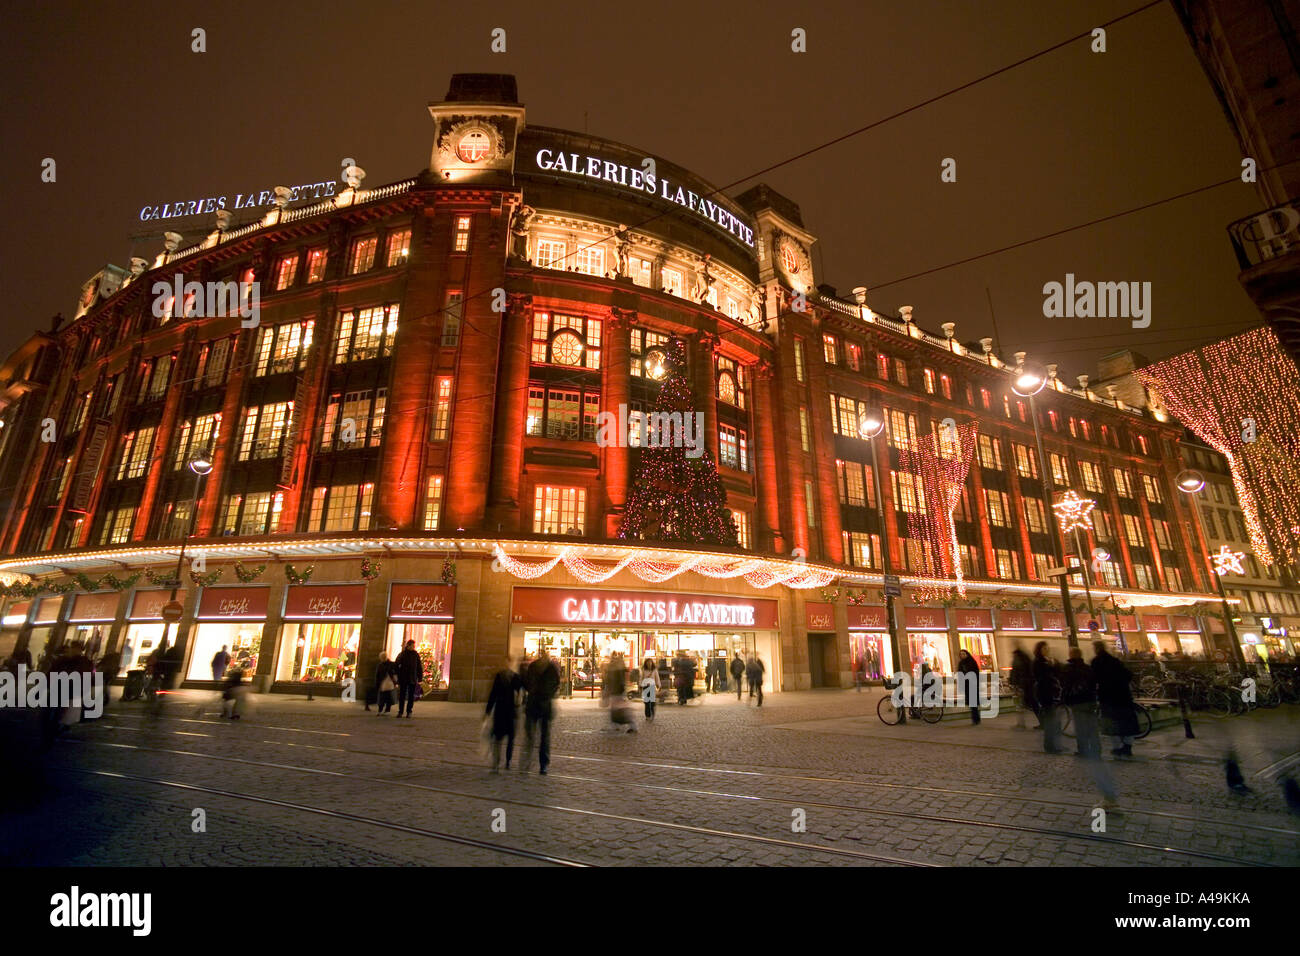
<point>421,389</point>
<point>1250,52</point>
<point>1269,613</point>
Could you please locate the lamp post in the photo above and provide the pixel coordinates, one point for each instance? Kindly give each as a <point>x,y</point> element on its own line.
<point>200,464</point>
<point>1189,483</point>
<point>869,427</point>
<point>1029,381</point>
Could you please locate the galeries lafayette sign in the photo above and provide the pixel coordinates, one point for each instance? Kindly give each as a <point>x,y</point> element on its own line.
<point>234,604</point>
<point>336,602</point>
<point>640,608</point>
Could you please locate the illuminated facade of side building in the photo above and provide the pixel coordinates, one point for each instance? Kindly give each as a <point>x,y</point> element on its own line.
<point>413,414</point>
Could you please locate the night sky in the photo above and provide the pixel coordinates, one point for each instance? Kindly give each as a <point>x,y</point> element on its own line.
<point>286,90</point>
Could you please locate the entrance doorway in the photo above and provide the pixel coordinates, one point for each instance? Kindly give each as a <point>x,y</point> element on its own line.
<point>821,660</point>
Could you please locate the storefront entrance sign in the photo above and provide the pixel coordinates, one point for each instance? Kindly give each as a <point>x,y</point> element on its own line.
<point>819,617</point>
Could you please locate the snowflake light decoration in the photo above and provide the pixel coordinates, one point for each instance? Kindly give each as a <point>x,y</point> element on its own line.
<point>1074,512</point>
<point>1227,561</point>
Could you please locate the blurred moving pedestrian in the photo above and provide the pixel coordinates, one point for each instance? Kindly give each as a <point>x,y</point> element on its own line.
<point>410,671</point>
<point>541,683</point>
<point>614,694</point>
<point>1079,693</point>
<point>860,672</point>
<point>1022,679</point>
<point>1115,696</point>
<point>754,671</point>
<point>502,703</point>
<point>969,668</point>
<point>232,693</point>
<point>649,687</point>
<point>220,661</point>
<point>737,673</point>
<point>1046,693</point>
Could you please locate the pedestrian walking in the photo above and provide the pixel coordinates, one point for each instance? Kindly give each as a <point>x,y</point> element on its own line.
<point>614,694</point>
<point>220,661</point>
<point>410,672</point>
<point>1115,698</point>
<point>754,671</point>
<point>737,673</point>
<point>1047,693</point>
<point>649,687</point>
<point>1022,679</point>
<point>541,683</point>
<point>860,672</point>
<point>385,684</point>
<point>969,669</point>
<point>1079,693</point>
<point>502,702</point>
<point>232,693</point>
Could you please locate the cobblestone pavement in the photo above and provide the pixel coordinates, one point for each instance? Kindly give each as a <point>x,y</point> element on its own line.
<point>811,778</point>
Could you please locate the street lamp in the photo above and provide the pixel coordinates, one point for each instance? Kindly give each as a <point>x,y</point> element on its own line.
<point>870,425</point>
<point>1190,482</point>
<point>1029,381</point>
<point>200,464</point>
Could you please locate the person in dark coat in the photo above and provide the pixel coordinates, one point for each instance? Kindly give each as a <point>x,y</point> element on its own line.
<point>737,672</point>
<point>1022,679</point>
<point>614,693</point>
<point>542,682</point>
<point>220,661</point>
<point>1046,691</point>
<point>410,671</point>
<point>501,707</point>
<point>754,670</point>
<point>1115,696</point>
<point>969,682</point>
<point>1079,693</point>
<point>385,683</point>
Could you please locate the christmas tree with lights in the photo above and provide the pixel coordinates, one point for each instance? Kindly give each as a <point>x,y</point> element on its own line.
<point>677,496</point>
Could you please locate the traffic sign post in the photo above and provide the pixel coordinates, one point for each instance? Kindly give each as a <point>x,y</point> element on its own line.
<point>893,587</point>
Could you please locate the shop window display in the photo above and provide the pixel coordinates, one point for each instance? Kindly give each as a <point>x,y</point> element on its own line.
<point>323,652</point>
<point>873,651</point>
<point>140,641</point>
<point>980,646</point>
<point>242,640</point>
<point>432,643</point>
<point>931,648</point>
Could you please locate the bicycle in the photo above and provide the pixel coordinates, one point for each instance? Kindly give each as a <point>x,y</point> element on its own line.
<point>890,715</point>
<point>1141,711</point>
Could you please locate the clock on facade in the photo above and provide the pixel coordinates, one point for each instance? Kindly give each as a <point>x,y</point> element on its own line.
<point>474,145</point>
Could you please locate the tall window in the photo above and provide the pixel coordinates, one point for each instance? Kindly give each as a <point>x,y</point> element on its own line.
<point>856,485</point>
<point>830,350</point>
<point>432,502</point>
<point>990,452</point>
<point>733,448</point>
<point>1026,461</point>
<point>882,366</point>
<point>673,280</point>
<point>341,507</point>
<point>316,260</point>
<point>462,234</point>
<point>117,526</point>
<point>590,260</point>
<point>862,549</point>
<point>1035,515</point>
<point>79,413</point>
<point>945,386</point>
<point>1133,531</point>
<point>731,382</point>
<point>451,319</point>
<point>798,360</point>
<point>137,447</point>
<point>927,377</point>
<point>254,513</point>
<point>550,253</point>
<point>846,414</point>
<point>1060,469</point>
<point>196,435</point>
<point>742,528</point>
<point>999,510</point>
<point>1123,483</point>
<point>803,428</point>
<point>568,414</point>
<point>399,247</point>
<point>810,503</point>
<point>282,348</point>
<point>559,510</point>
<point>285,270</point>
<point>157,376</point>
<point>900,372</point>
<point>1151,487</point>
<point>354,420</point>
<point>363,254</point>
<point>365,334</point>
<point>1008,563</point>
<point>1091,476</point>
<point>909,496</point>
<point>263,432</point>
<point>902,430</point>
<point>440,427</point>
<point>214,360</point>
<point>568,340</point>
<point>853,356</point>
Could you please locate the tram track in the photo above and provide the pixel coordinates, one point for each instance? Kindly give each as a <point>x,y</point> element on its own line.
<point>1161,850</point>
<point>771,775</point>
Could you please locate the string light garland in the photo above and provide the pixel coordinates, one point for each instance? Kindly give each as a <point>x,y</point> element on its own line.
<point>1241,396</point>
<point>1227,561</point>
<point>675,497</point>
<point>939,466</point>
<point>655,568</point>
<point>1074,512</point>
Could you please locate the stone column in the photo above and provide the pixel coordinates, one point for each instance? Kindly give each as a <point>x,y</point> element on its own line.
<point>769,536</point>
<point>615,393</point>
<point>705,386</point>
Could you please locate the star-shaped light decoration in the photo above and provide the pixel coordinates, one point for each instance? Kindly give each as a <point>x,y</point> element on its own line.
<point>1227,561</point>
<point>1073,512</point>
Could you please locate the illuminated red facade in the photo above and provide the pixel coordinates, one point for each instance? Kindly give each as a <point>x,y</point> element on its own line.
<point>423,380</point>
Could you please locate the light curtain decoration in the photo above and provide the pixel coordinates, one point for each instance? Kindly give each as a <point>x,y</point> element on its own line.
<point>1241,397</point>
<point>939,465</point>
<point>656,568</point>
